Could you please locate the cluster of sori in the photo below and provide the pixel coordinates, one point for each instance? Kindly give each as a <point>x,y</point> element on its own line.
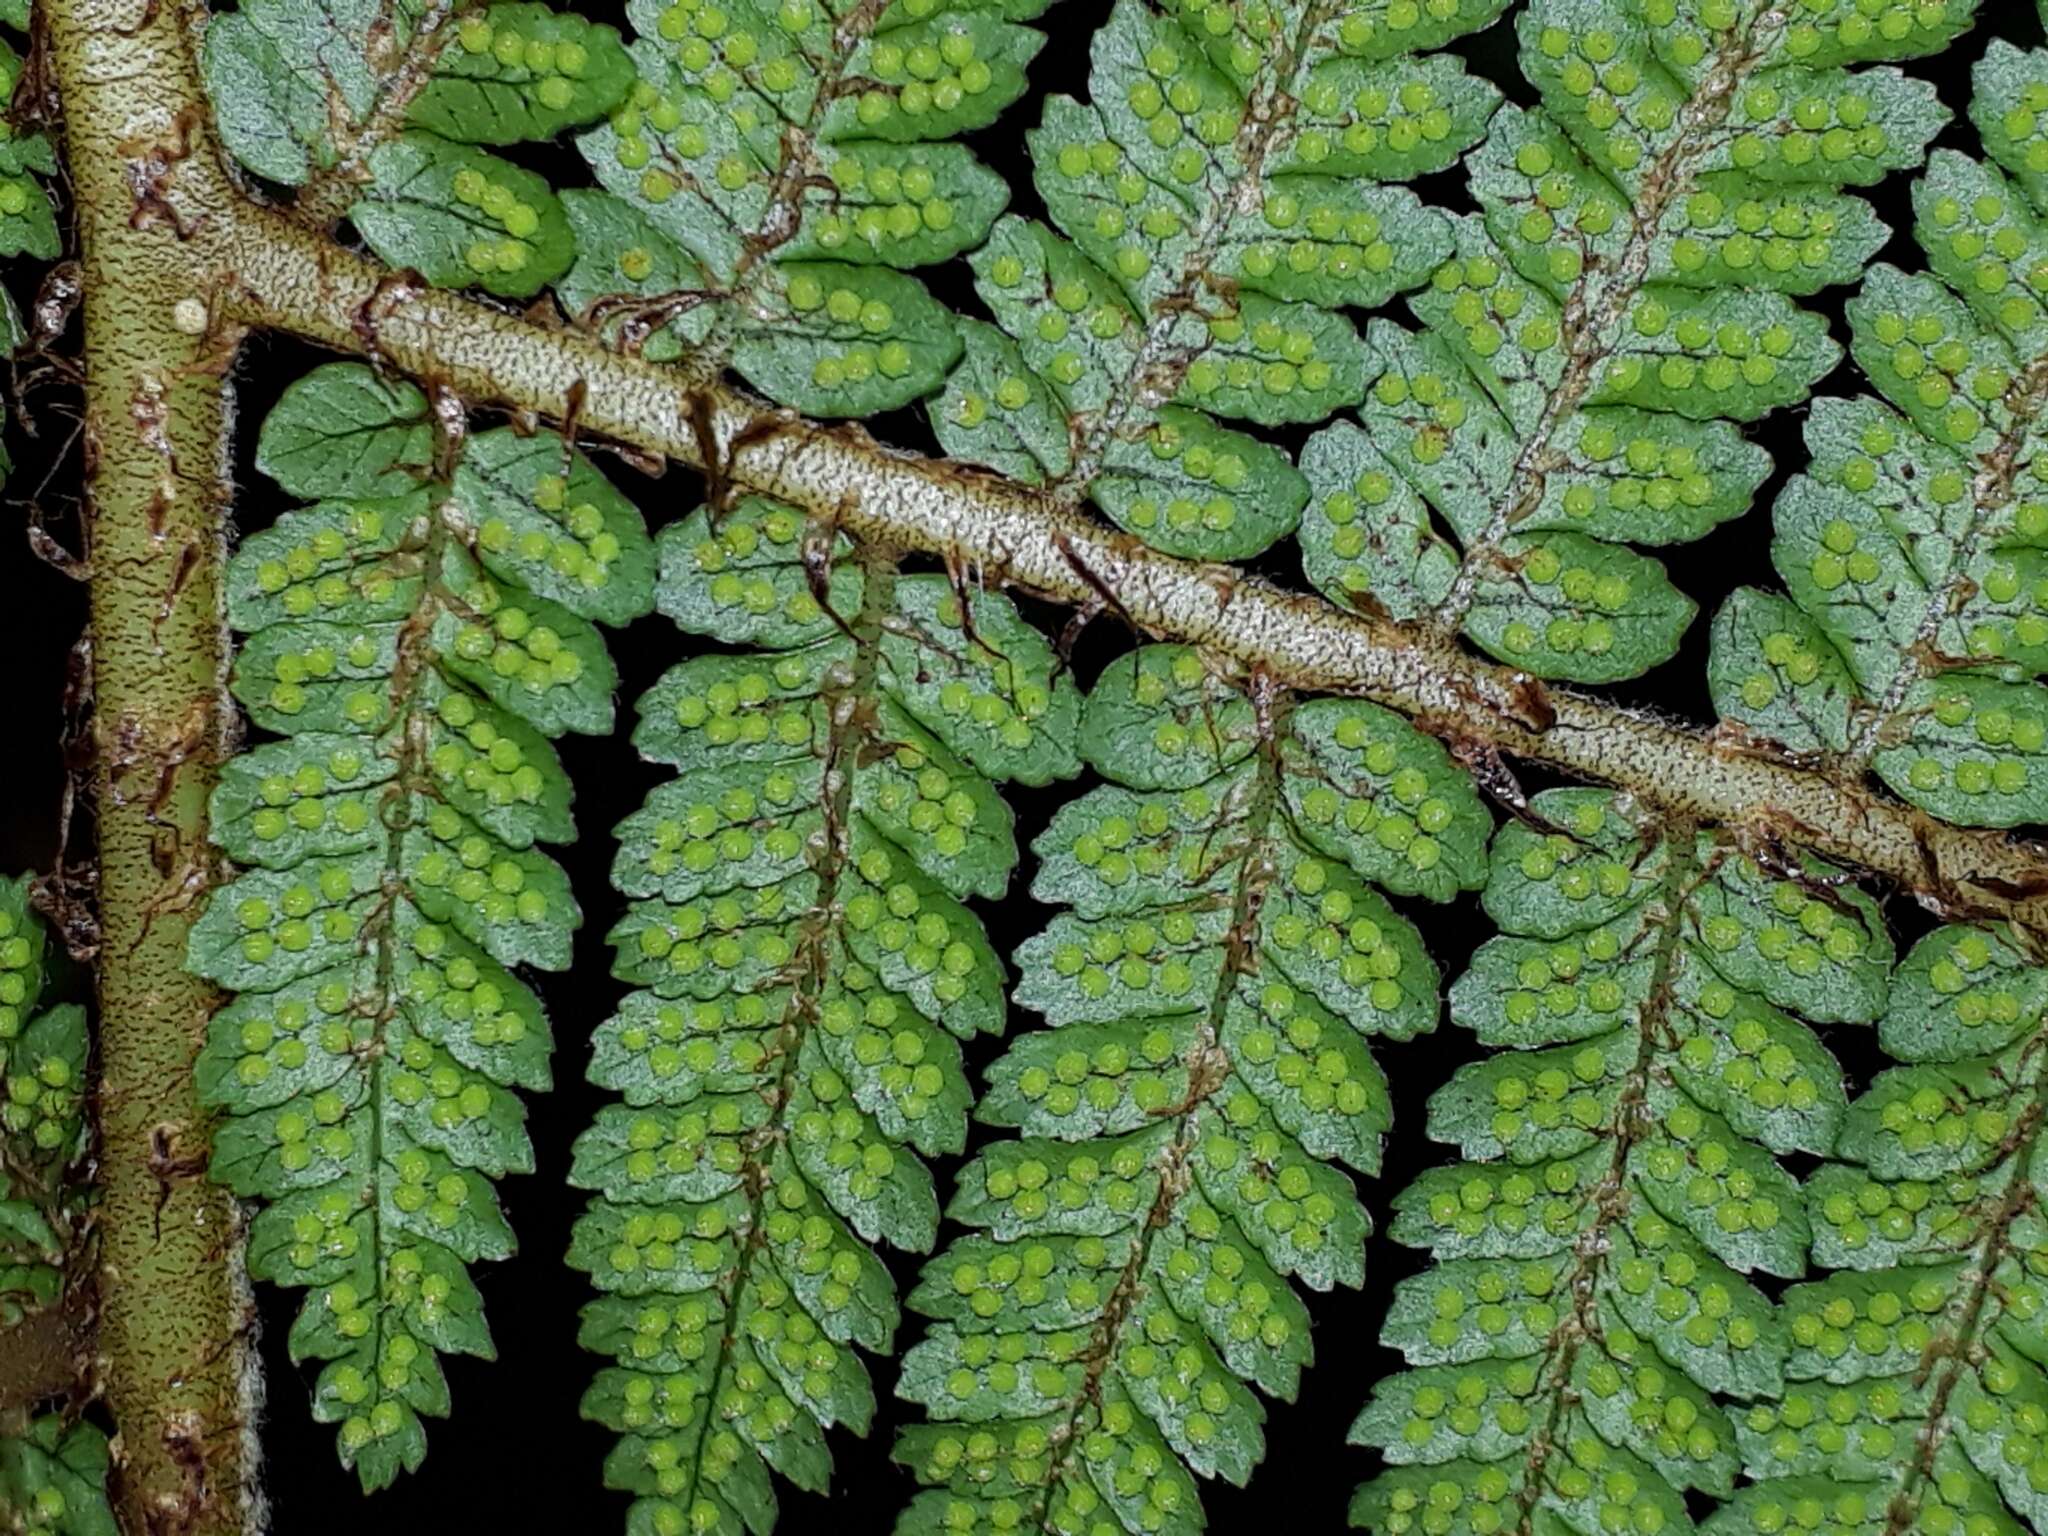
<point>53,1469</point>
<point>1224,958</point>
<point>806,971</point>
<point>412,641</point>
<point>1229,190</point>
<point>786,165</point>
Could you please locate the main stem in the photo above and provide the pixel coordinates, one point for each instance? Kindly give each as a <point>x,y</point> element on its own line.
<point>171,1331</point>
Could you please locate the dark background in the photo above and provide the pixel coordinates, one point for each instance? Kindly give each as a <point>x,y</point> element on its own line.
<point>515,1456</point>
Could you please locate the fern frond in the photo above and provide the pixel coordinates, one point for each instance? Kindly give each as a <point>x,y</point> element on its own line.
<point>1225,192</point>
<point>1916,614</point>
<point>773,169</point>
<point>1620,304</point>
<point>806,964</point>
<point>43,1052</point>
<point>53,1474</point>
<point>1589,1329</point>
<point>412,642</point>
<point>28,221</point>
<point>1914,1395</point>
<point>1210,993</point>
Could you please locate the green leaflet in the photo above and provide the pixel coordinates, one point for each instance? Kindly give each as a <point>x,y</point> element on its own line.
<point>21,151</point>
<point>53,1477</point>
<point>302,87</point>
<point>773,163</point>
<point>396,644</point>
<point>43,1051</point>
<point>281,72</point>
<point>543,518</point>
<point>352,433</point>
<point>1589,1313</point>
<point>1925,1346</point>
<point>805,965</point>
<point>551,522</point>
<point>625,263</point>
<point>31,1254</point>
<point>457,215</point>
<point>521,73</point>
<point>1620,303</point>
<point>1225,192</point>
<point>1912,551</point>
<point>1210,991</point>
<point>846,340</point>
<point>28,223</point>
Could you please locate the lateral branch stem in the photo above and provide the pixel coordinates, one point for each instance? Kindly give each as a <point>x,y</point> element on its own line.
<point>275,275</point>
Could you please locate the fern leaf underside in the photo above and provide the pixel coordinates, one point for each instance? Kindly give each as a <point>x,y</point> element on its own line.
<point>1116,1281</point>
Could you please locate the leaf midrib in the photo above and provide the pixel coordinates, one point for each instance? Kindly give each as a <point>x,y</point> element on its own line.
<point>1208,1071</point>
<point>1158,368</point>
<point>847,732</point>
<point>1626,1125</point>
